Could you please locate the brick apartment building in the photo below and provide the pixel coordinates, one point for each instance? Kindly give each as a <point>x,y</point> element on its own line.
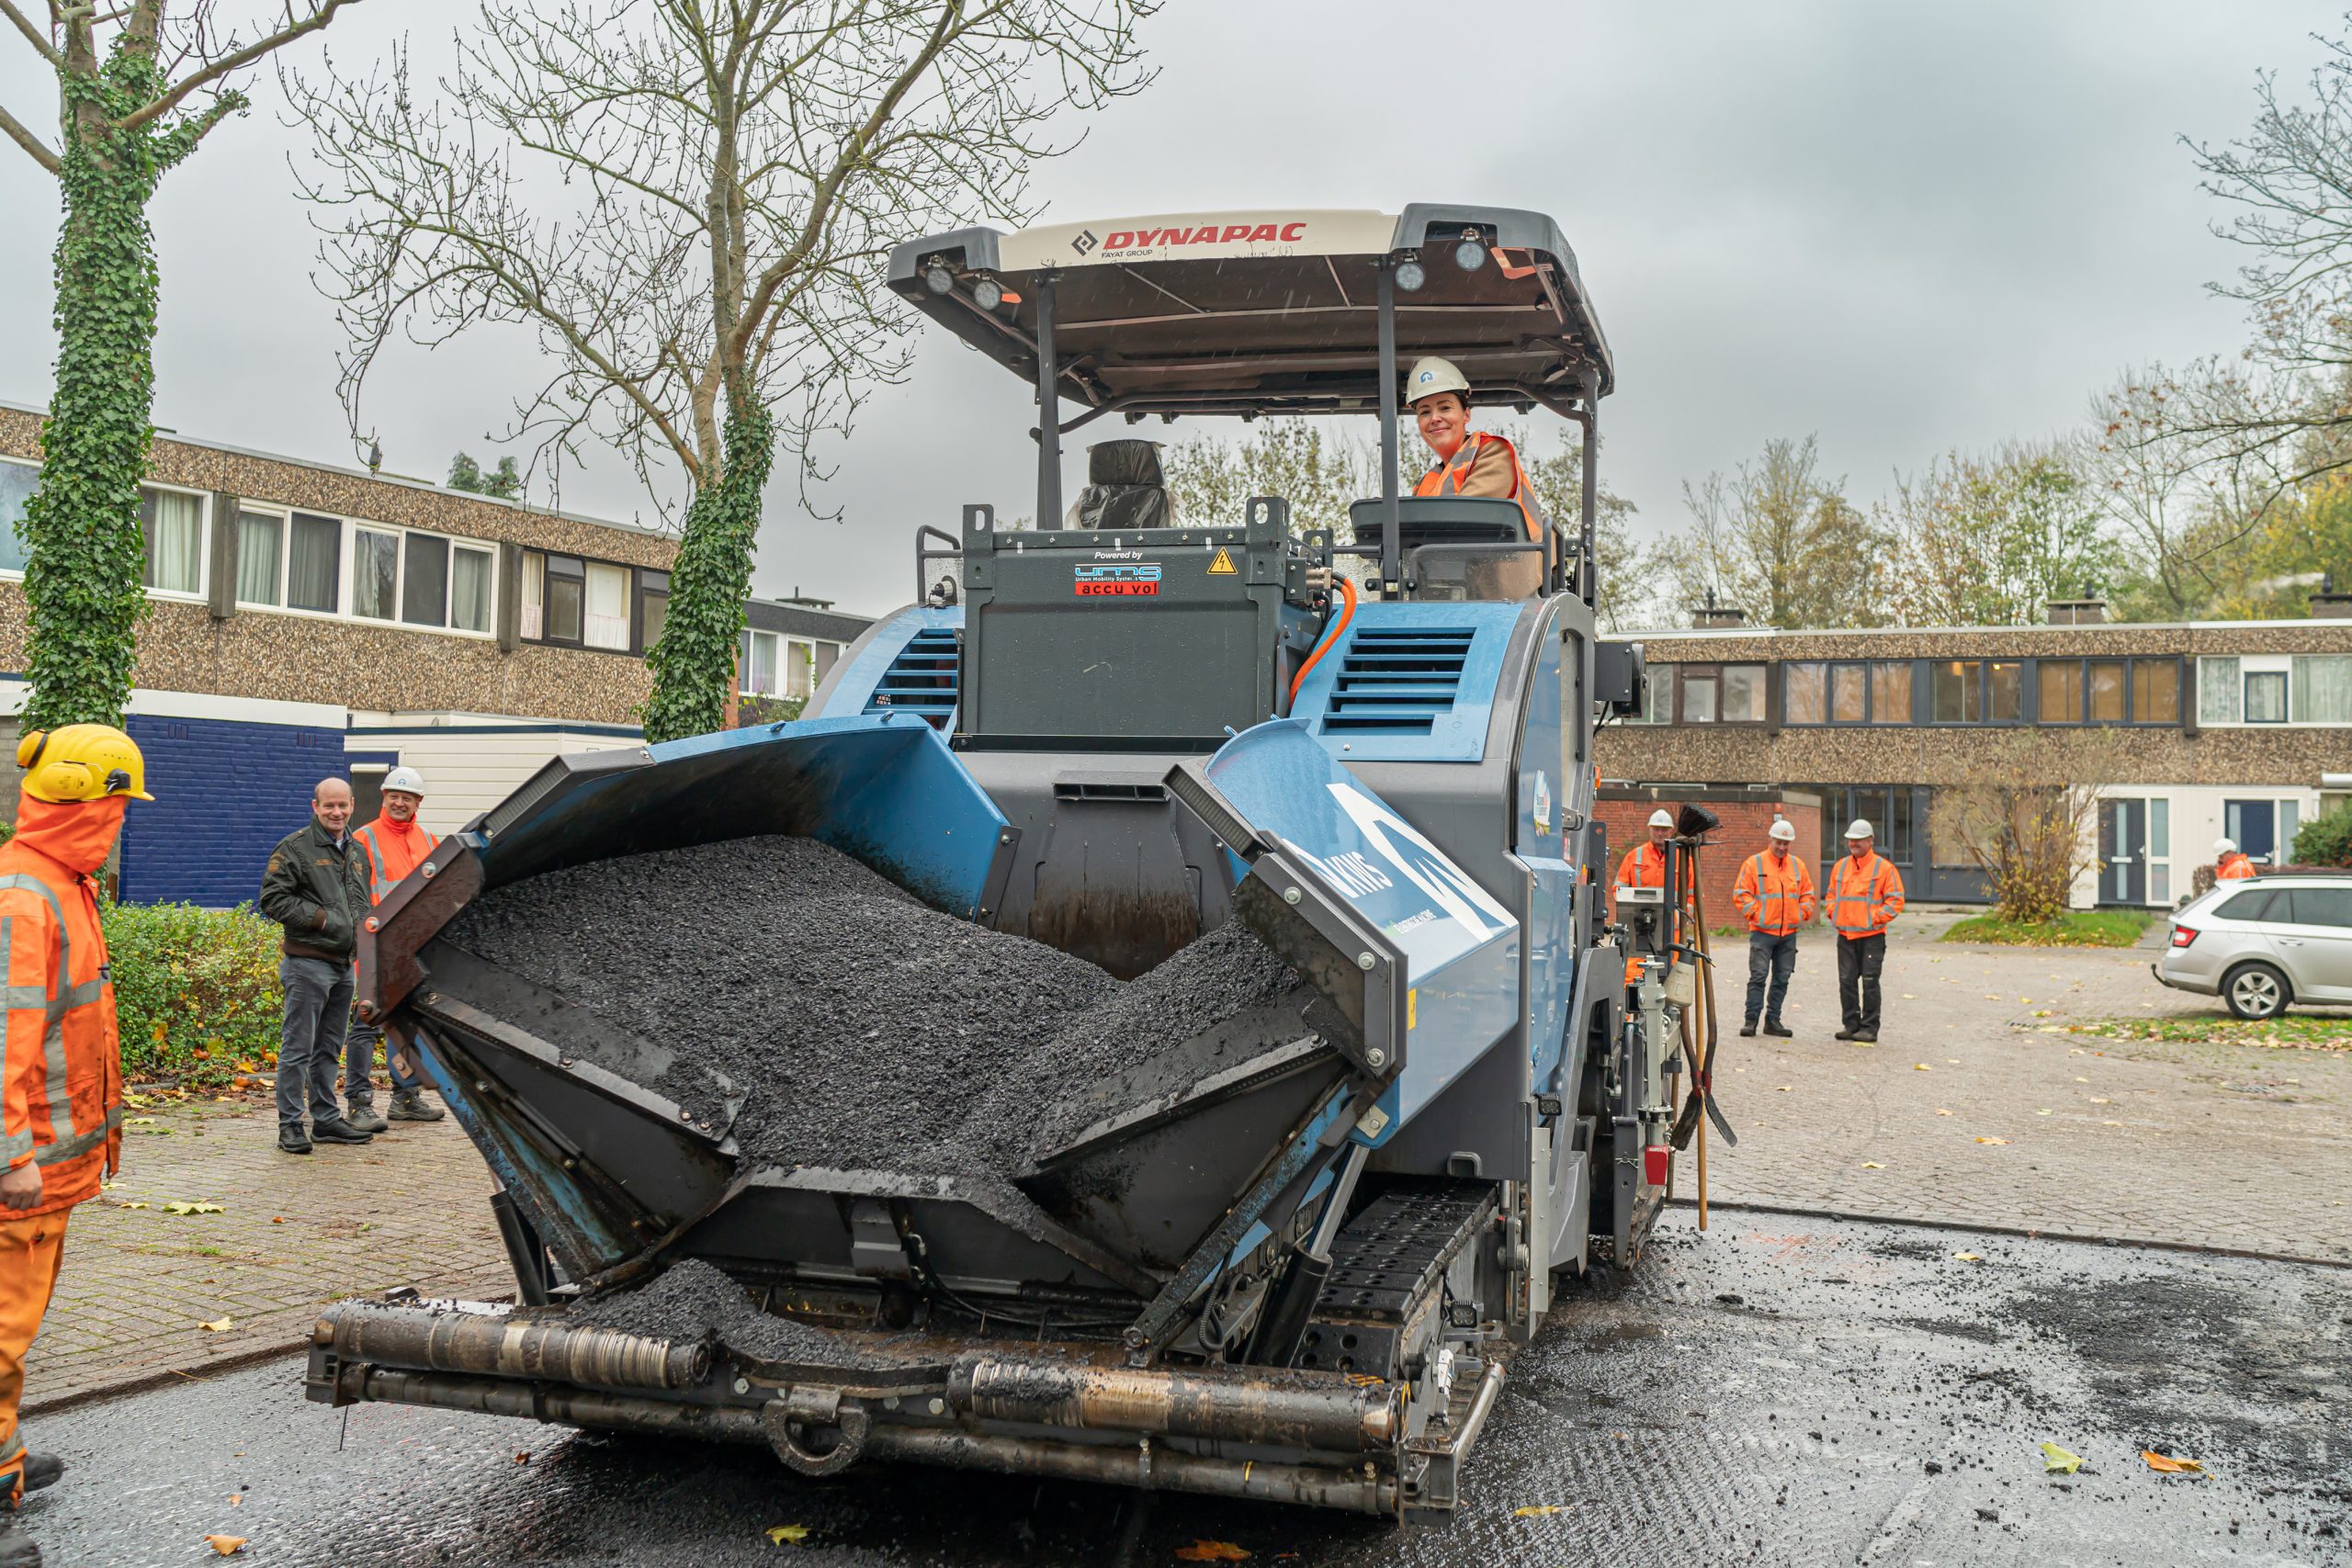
<point>2243,727</point>
<point>306,620</point>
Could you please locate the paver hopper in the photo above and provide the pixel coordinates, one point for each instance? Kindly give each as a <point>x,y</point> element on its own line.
<point>1277,1257</point>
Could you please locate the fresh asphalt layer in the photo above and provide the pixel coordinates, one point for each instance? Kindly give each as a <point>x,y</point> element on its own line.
<point>1778,1391</point>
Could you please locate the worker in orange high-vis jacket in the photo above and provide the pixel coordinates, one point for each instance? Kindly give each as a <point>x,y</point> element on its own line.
<point>1864,895</point>
<point>1774,895</point>
<point>1645,866</point>
<point>1474,463</point>
<point>2229,863</point>
<point>62,1112</point>
<point>395,844</point>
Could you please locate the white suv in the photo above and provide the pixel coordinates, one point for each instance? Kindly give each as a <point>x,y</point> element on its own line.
<point>2262,943</point>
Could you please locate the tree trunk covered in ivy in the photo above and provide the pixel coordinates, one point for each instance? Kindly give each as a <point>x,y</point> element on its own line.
<point>123,122</point>
<point>694,663</point>
<point>85,552</point>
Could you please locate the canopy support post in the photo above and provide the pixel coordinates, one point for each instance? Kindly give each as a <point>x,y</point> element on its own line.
<point>1588,569</point>
<point>1391,567</point>
<point>1049,428</point>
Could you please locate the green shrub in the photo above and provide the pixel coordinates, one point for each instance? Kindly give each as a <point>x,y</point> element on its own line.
<point>2076,928</point>
<point>196,990</point>
<point>2325,839</point>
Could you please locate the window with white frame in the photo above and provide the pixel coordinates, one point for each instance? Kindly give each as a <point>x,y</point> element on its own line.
<point>18,482</point>
<point>173,523</point>
<point>295,560</point>
<point>2303,688</point>
<point>757,677</point>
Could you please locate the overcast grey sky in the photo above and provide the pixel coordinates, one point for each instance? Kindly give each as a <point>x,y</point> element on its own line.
<point>1904,228</point>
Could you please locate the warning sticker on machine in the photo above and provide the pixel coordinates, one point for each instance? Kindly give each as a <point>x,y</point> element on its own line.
<point>1120,579</point>
<point>1221,565</point>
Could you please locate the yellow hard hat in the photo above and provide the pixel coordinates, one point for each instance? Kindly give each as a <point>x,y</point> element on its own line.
<point>81,762</point>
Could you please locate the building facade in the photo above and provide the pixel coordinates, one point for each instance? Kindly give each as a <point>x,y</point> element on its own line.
<point>306,621</point>
<point>790,645</point>
<point>2188,732</point>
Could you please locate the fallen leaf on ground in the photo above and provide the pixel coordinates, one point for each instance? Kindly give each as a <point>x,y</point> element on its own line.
<point>2099,1099</point>
<point>1909,998</point>
<point>1992,1140</point>
<point>194,1209</point>
<point>1784,1088</point>
<point>277,1219</point>
<point>1211,1551</point>
<point>1967,1257</point>
<point>226,1545</point>
<point>1541,1510</point>
<point>2044,1112</point>
<point>219,1326</point>
<point>134,1205</point>
<point>2157,1462</point>
<point>1873,1164</point>
<point>2110,1123</point>
<point>1921,1068</point>
<point>2058,1461</point>
<point>780,1534</point>
<point>523,1457</point>
<point>236,1499</point>
<point>1942,1111</point>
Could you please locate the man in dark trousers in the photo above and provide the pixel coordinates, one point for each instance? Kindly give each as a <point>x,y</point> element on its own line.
<point>316,887</point>
<point>1864,895</point>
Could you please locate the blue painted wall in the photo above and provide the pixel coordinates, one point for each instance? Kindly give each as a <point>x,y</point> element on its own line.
<point>225,793</point>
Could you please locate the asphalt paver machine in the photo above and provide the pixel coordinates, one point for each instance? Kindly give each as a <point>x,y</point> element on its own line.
<point>1287,1261</point>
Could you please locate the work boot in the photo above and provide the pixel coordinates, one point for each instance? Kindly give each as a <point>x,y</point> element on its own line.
<point>1845,1034</point>
<point>292,1139</point>
<point>1748,1030</point>
<point>1774,1027</point>
<point>1866,1037</point>
<point>17,1548</point>
<point>42,1470</point>
<point>413,1107</point>
<point>335,1130</point>
<point>362,1117</point>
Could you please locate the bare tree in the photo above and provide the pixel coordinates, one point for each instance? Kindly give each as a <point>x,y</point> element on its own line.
<point>1778,539</point>
<point>139,84</point>
<point>689,201</point>
<point>2017,810</point>
<point>2182,507</point>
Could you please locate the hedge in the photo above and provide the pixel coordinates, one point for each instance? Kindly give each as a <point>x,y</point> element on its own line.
<point>196,991</point>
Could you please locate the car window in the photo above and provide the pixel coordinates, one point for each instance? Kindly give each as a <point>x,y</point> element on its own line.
<point>2252,906</point>
<point>2321,905</point>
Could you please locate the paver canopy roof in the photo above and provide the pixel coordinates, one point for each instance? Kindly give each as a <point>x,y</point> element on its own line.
<point>1268,311</point>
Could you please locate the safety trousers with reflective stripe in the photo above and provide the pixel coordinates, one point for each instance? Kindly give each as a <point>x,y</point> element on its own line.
<point>30,1250</point>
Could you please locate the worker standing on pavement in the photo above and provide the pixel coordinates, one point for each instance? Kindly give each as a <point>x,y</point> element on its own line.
<point>395,844</point>
<point>2229,865</point>
<point>1774,894</point>
<point>64,1101</point>
<point>1863,897</point>
<point>316,886</point>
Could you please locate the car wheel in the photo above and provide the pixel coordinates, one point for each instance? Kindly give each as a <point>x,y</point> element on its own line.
<point>2256,990</point>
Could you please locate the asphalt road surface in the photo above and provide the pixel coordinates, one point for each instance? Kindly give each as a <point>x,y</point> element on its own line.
<point>1779,1391</point>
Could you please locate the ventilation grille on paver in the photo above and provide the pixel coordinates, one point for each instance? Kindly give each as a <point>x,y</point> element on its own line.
<point>1398,681</point>
<point>922,680</point>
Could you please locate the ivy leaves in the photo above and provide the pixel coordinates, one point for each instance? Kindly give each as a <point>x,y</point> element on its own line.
<point>693,664</point>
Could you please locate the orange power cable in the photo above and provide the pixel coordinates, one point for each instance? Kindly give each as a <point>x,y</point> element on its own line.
<point>1348,594</point>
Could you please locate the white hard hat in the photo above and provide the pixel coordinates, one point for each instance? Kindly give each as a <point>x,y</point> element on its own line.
<point>408,781</point>
<point>1431,376</point>
<point>1784,828</point>
<point>2226,846</point>
<point>1661,817</point>
<point>1860,829</point>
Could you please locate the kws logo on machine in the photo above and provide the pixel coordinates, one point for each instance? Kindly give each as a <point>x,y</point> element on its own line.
<point>1116,579</point>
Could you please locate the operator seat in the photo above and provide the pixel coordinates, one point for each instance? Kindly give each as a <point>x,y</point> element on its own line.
<point>1124,488</point>
<point>1457,546</point>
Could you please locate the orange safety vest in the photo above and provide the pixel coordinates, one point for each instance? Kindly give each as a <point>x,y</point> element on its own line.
<point>392,852</point>
<point>1449,476</point>
<point>1775,899</point>
<point>1643,867</point>
<point>2235,867</point>
<point>1861,902</point>
<point>63,1107</point>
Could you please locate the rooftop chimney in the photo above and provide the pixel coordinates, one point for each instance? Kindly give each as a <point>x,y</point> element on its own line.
<point>2077,611</point>
<point>2331,606</point>
<point>1712,614</point>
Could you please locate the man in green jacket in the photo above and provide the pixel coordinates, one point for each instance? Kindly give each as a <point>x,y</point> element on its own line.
<point>316,887</point>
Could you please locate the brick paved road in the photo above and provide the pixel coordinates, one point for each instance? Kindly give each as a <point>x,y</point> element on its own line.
<point>2230,1146</point>
<point>293,1234</point>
